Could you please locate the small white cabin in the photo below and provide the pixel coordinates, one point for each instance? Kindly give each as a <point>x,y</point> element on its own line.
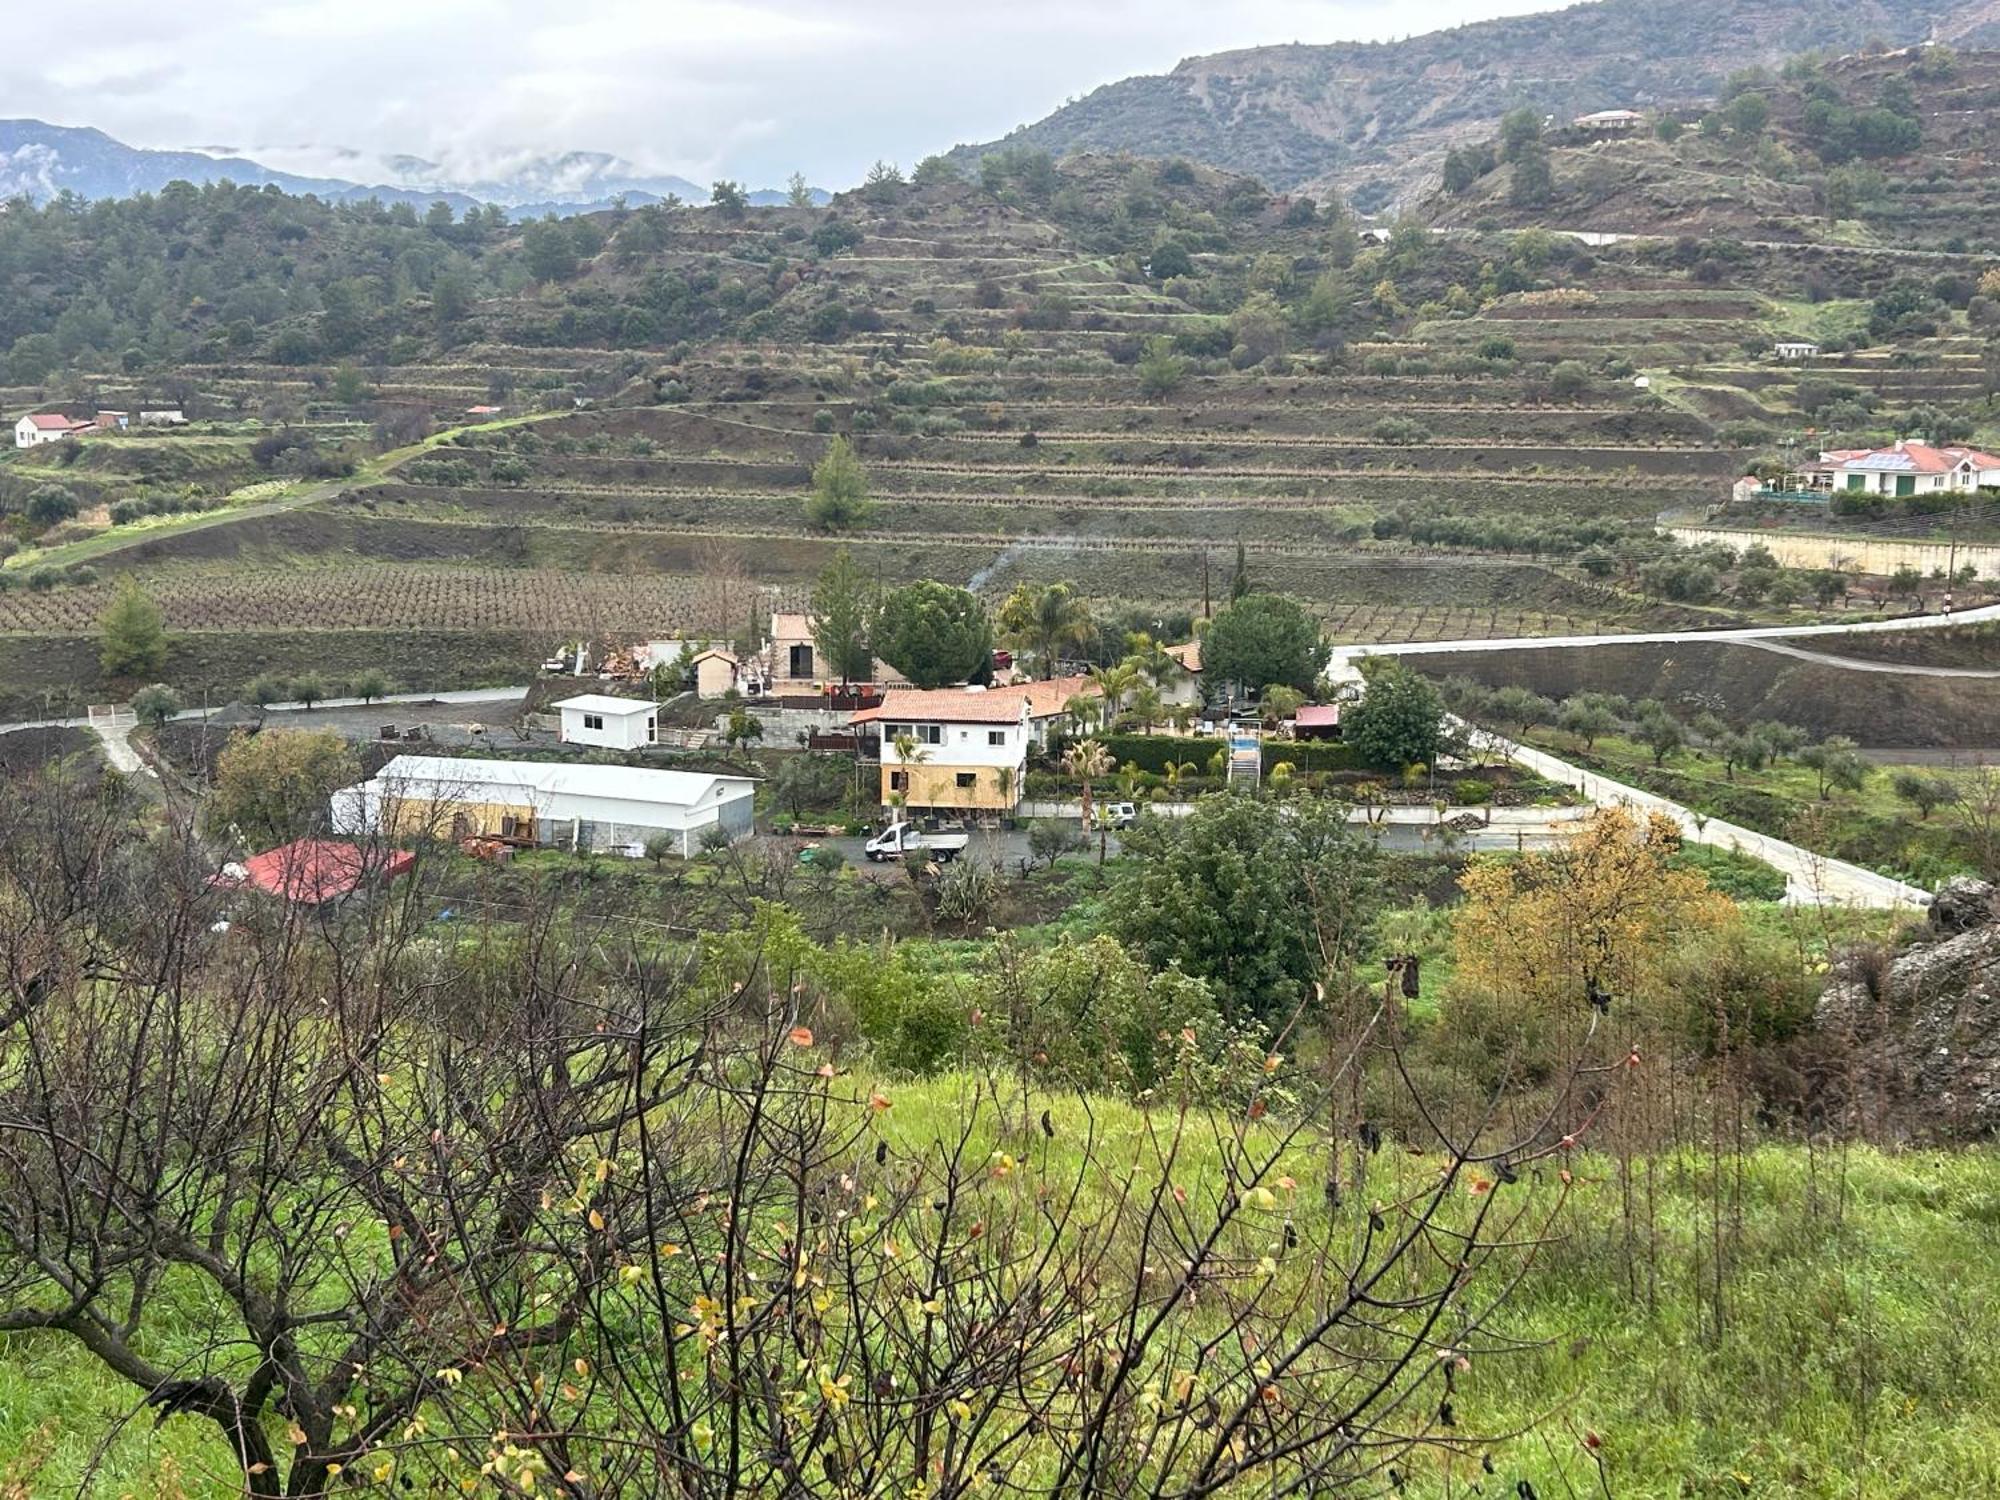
<point>611,723</point>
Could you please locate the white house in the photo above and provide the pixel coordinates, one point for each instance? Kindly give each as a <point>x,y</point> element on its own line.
<point>1795,349</point>
<point>1908,469</point>
<point>614,723</point>
<point>601,809</point>
<point>163,416</point>
<point>1609,119</point>
<point>961,748</point>
<point>45,427</point>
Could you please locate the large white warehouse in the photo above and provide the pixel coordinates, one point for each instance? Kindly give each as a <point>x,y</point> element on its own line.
<point>603,809</point>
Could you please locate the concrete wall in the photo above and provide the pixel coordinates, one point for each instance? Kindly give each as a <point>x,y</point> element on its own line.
<point>1795,550</point>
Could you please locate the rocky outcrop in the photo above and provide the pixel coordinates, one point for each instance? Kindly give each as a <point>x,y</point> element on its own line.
<point>1921,1028</point>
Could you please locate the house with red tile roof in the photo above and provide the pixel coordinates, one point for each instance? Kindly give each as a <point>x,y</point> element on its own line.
<point>953,749</point>
<point>1908,468</point>
<point>45,427</point>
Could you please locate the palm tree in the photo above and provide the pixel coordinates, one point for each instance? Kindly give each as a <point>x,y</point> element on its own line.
<point>1087,761</point>
<point>1280,703</point>
<point>1114,683</point>
<point>1146,707</point>
<point>1045,623</point>
<point>910,751</point>
<point>1003,782</point>
<point>1174,770</point>
<point>1083,709</point>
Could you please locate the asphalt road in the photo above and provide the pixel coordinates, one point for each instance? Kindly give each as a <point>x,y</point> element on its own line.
<point>1341,661</point>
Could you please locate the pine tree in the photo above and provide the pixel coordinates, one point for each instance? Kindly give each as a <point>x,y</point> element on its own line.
<point>1239,581</point>
<point>839,501</point>
<point>843,617</point>
<point>132,637</point>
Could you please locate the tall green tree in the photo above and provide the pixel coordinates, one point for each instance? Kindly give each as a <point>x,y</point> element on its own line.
<point>843,617</point>
<point>1262,902</point>
<point>131,635</point>
<point>1399,720</point>
<point>839,499</point>
<point>1161,371</point>
<point>1262,639</point>
<point>549,250</point>
<point>935,635</point>
<point>274,786</point>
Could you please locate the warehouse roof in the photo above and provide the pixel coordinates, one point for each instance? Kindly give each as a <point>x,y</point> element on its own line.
<point>459,776</point>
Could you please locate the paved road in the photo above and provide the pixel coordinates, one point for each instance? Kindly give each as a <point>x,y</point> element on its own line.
<point>1862,664</point>
<point>1341,662</point>
<point>1810,879</point>
<point>1405,830</point>
<point>1600,237</point>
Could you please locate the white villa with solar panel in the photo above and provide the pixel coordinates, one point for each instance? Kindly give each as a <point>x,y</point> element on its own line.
<point>1906,469</point>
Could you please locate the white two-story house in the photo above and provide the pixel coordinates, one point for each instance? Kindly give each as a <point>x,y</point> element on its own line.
<point>957,749</point>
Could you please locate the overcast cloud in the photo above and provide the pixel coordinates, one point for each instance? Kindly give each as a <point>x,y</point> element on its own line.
<point>751,89</point>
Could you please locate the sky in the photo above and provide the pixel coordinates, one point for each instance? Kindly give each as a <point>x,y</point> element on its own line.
<point>751,89</point>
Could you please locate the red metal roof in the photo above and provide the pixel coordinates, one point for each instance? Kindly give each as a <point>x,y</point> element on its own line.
<point>46,421</point>
<point>315,870</point>
<point>1318,716</point>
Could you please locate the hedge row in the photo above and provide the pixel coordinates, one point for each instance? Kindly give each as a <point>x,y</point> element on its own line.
<point>1154,752</point>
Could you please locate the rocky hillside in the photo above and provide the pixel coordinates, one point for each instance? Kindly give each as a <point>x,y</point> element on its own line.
<point>1900,148</point>
<point>1374,119</point>
<point>1922,1029</point>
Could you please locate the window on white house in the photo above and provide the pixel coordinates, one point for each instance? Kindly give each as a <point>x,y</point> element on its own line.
<point>929,734</point>
<point>967,780</point>
<point>996,736</point>
<point>593,721</point>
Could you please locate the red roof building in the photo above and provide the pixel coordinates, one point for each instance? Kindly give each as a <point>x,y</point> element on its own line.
<point>1909,468</point>
<point>310,872</point>
<point>1317,721</point>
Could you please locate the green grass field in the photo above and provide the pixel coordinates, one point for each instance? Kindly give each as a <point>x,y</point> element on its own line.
<point>1792,1323</point>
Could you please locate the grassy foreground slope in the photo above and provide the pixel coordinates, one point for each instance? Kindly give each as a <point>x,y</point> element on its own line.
<point>1793,1323</point>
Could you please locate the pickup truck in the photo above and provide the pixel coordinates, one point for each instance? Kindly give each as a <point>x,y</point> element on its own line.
<point>900,839</point>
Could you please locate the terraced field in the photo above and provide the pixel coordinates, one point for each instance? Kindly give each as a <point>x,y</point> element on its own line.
<point>988,367</point>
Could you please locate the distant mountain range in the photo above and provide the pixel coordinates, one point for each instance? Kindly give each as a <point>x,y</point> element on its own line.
<point>41,160</point>
<point>1373,119</point>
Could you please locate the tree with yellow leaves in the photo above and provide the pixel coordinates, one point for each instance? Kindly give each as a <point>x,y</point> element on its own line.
<point>1591,924</point>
